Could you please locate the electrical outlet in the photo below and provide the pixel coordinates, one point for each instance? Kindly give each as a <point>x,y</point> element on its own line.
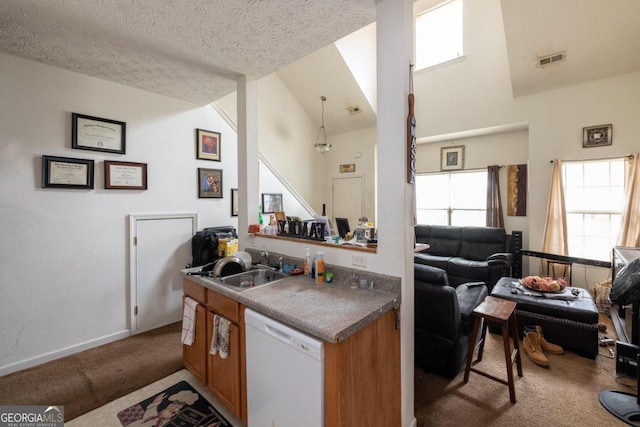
<point>359,260</point>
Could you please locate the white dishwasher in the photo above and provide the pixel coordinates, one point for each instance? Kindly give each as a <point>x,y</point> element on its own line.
<point>285,384</point>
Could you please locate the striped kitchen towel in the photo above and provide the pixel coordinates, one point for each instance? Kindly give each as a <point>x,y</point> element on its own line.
<point>189,321</point>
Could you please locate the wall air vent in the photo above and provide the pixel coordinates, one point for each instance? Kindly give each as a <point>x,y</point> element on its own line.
<point>551,59</point>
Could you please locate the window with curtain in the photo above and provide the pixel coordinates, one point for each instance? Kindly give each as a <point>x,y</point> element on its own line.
<point>452,198</point>
<point>439,34</point>
<point>594,199</point>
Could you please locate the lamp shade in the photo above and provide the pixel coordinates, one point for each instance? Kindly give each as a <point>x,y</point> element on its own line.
<point>321,145</point>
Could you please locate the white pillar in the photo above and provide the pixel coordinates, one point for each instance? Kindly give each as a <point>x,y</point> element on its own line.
<point>248,166</point>
<point>395,197</point>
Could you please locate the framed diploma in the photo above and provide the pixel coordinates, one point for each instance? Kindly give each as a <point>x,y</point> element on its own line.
<point>96,134</point>
<point>64,172</point>
<point>125,176</point>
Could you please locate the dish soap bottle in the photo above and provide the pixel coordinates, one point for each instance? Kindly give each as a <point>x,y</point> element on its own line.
<point>320,268</point>
<point>307,262</point>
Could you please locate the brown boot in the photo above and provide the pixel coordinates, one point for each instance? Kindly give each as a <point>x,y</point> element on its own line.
<point>531,346</point>
<point>545,345</point>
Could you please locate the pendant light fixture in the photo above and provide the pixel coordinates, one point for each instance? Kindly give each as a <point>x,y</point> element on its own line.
<point>322,146</point>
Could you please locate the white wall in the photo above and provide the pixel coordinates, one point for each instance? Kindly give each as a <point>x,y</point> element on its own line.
<point>509,148</point>
<point>63,253</point>
<point>357,147</point>
<point>475,93</point>
<point>286,138</point>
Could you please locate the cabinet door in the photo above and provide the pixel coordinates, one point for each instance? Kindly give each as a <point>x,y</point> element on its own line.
<point>223,375</point>
<point>193,355</point>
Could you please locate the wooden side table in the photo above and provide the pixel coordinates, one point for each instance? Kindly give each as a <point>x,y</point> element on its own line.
<point>503,312</point>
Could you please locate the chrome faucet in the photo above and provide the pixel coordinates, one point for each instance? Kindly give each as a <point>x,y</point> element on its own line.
<point>280,263</point>
<point>265,257</point>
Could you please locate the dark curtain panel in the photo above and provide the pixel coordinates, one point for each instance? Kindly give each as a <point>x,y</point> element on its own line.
<point>494,203</point>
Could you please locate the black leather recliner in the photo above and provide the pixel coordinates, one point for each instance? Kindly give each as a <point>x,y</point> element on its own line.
<point>443,320</point>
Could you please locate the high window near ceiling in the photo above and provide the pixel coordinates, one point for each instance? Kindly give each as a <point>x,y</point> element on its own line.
<point>439,34</point>
<point>594,198</point>
<point>452,198</point>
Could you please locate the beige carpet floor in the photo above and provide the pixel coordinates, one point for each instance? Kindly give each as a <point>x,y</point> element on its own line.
<point>89,379</point>
<point>565,394</point>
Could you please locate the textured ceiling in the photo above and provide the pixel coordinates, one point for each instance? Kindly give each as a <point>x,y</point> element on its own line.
<point>195,49</point>
<point>188,49</point>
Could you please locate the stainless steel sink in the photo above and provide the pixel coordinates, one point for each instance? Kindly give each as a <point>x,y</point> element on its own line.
<point>252,279</point>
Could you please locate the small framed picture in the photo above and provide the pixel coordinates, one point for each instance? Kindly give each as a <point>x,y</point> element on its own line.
<point>271,202</point>
<point>208,145</point>
<point>452,158</point>
<point>97,134</point>
<point>234,202</point>
<point>597,136</point>
<point>125,176</point>
<point>65,172</point>
<point>209,183</point>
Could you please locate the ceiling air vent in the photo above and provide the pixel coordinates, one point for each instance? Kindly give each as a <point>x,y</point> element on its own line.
<point>353,109</point>
<point>551,59</point>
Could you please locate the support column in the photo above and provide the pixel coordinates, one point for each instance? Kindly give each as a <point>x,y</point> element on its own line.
<point>248,166</point>
<point>395,195</point>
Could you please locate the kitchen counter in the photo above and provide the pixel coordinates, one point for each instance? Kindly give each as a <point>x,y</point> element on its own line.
<point>331,312</point>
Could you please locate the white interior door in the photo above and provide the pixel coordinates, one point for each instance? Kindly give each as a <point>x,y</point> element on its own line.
<point>348,199</point>
<point>160,248</point>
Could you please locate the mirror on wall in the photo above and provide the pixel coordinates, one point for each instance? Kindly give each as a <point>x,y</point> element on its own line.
<point>290,115</point>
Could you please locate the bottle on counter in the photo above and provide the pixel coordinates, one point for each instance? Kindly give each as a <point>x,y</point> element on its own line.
<point>307,262</point>
<point>320,268</point>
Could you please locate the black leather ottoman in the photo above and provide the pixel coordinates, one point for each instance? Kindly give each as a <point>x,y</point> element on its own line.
<point>572,324</point>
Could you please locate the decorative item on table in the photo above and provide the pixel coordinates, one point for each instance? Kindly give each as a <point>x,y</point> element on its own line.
<point>365,234</point>
<point>544,284</point>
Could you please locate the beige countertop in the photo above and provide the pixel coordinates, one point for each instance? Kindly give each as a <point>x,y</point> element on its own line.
<point>331,312</point>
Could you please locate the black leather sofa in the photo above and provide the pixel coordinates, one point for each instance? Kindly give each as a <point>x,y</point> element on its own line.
<point>467,254</point>
<point>443,320</point>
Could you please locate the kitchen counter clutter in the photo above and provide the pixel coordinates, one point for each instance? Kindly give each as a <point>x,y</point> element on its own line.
<point>356,329</point>
<point>331,312</point>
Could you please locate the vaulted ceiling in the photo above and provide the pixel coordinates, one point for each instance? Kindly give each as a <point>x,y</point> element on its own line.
<point>196,49</point>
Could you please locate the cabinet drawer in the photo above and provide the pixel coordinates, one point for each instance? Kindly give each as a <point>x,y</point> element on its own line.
<point>194,291</point>
<point>223,306</point>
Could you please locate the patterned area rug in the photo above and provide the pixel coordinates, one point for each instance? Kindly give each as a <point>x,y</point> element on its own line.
<point>179,405</point>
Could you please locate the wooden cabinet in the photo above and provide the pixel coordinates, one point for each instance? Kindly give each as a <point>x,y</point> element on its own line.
<point>361,374</point>
<point>225,376</point>
<point>193,356</point>
<point>362,377</point>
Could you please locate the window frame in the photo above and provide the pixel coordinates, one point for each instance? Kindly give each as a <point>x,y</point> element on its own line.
<point>459,49</point>
<point>450,210</point>
<point>588,241</point>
